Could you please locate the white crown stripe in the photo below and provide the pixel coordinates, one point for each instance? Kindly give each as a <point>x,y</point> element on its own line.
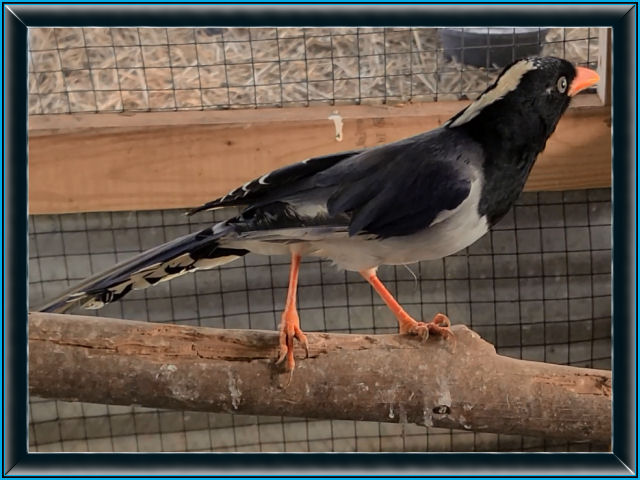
<point>506,83</point>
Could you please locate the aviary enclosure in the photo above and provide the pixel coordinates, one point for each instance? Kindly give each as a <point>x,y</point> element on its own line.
<point>129,127</point>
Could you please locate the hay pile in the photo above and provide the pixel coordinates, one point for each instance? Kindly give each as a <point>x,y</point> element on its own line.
<point>133,69</point>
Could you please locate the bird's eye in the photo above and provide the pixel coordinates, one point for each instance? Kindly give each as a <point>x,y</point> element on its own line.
<point>562,84</point>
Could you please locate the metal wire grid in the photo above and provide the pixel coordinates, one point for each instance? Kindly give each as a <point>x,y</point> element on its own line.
<point>537,287</point>
<point>155,69</point>
<point>82,427</point>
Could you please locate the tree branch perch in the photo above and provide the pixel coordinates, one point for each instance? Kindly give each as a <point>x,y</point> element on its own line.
<point>460,384</point>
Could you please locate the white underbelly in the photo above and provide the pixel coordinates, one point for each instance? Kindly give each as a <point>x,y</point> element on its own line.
<point>441,240</point>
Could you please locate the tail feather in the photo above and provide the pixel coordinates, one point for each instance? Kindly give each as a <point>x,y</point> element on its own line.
<point>196,251</point>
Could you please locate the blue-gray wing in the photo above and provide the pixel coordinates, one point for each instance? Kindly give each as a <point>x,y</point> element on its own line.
<point>401,188</point>
<point>395,189</point>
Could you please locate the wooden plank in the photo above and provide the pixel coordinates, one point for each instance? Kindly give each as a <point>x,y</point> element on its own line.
<point>78,122</point>
<point>52,124</point>
<point>105,162</point>
<point>578,155</point>
<point>604,65</point>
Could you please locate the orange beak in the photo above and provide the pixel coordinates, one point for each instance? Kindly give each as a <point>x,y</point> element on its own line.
<point>584,79</point>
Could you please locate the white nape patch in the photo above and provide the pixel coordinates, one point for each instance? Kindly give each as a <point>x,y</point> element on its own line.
<point>508,82</point>
<point>263,179</point>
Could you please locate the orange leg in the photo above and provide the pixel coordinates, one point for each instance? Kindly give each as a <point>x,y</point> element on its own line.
<point>439,325</point>
<point>290,324</point>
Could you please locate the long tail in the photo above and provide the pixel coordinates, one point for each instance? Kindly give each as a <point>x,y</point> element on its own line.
<point>196,251</point>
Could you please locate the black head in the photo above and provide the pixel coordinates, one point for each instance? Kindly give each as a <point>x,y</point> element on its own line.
<point>526,101</point>
<point>512,120</point>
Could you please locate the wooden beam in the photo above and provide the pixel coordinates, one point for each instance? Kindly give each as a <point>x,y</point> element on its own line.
<point>460,383</point>
<point>604,65</point>
<point>104,162</point>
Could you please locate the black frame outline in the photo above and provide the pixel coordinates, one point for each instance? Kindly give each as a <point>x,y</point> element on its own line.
<point>621,16</point>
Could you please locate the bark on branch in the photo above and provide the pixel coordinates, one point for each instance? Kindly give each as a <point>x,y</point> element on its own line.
<point>459,384</point>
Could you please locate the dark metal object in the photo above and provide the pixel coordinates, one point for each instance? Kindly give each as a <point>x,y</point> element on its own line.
<point>491,47</point>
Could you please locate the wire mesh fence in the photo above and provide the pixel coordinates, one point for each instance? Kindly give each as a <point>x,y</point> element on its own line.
<point>538,286</point>
<point>142,69</point>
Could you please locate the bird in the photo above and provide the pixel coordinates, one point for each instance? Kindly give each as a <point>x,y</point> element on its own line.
<point>420,198</point>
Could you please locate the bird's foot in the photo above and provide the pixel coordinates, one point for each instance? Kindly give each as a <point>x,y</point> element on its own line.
<point>290,329</point>
<point>440,325</point>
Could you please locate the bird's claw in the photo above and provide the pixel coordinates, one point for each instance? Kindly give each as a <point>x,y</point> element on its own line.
<point>286,350</point>
<point>287,334</point>
<point>440,325</point>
